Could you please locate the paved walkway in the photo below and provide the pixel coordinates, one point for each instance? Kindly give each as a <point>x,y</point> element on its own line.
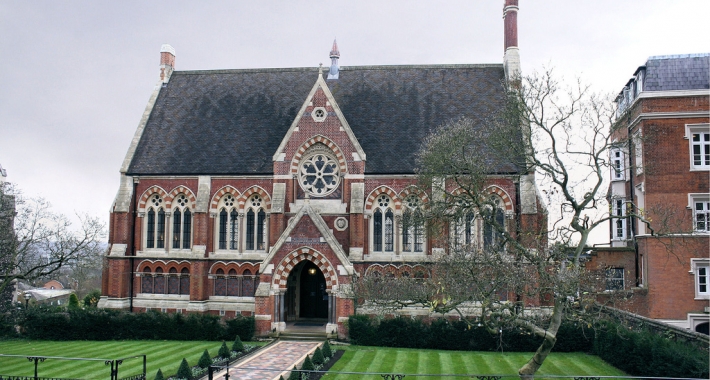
<point>272,362</point>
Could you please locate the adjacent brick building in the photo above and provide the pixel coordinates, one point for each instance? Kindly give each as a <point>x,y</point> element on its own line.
<point>660,169</point>
<point>265,192</point>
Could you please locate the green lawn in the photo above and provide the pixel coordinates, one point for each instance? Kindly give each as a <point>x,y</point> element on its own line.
<point>161,354</point>
<point>410,361</point>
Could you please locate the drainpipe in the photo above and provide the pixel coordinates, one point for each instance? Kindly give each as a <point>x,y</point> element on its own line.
<point>133,248</point>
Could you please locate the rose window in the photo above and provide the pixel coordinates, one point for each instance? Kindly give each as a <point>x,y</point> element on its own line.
<point>319,174</point>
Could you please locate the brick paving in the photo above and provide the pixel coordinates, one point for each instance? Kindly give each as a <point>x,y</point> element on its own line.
<point>272,362</point>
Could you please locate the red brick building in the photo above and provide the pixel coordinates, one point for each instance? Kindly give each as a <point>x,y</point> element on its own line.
<point>661,169</point>
<point>265,192</point>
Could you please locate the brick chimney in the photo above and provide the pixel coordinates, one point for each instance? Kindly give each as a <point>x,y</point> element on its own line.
<point>167,62</point>
<point>511,56</point>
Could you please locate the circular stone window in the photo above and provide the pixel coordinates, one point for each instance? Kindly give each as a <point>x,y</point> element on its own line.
<point>318,173</point>
<point>319,114</point>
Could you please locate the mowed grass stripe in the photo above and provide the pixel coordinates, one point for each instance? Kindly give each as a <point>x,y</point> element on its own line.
<point>461,362</point>
<point>161,354</point>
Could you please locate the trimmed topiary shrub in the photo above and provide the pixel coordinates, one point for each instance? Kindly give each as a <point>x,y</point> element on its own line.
<point>318,358</point>
<point>237,346</point>
<point>295,374</point>
<point>307,364</point>
<point>327,351</point>
<point>159,375</point>
<point>73,301</point>
<point>205,360</point>
<point>224,351</point>
<point>184,372</point>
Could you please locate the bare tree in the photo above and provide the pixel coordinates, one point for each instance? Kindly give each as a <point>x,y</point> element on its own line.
<point>513,278</point>
<point>36,242</point>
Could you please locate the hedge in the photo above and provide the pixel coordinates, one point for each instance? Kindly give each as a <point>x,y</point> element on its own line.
<point>104,324</point>
<point>643,353</point>
<point>457,335</point>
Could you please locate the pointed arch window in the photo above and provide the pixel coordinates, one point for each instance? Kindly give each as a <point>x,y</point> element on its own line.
<point>412,226</point>
<point>182,224</point>
<point>155,223</point>
<point>383,225</point>
<point>255,224</point>
<point>228,224</point>
<point>493,223</point>
<point>463,231</point>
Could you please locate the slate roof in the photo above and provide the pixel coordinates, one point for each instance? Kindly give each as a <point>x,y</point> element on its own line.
<point>677,72</point>
<point>231,122</point>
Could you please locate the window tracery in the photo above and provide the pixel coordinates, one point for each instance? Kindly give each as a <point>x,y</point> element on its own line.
<point>182,223</point>
<point>255,224</point>
<point>492,236</point>
<point>319,172</point>
<point>383,225</point>
<point>412,226</point>
<point>155,223</point>
<point>228,223</point>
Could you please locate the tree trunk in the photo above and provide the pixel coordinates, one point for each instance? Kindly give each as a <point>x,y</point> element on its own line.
<point>550,337</point>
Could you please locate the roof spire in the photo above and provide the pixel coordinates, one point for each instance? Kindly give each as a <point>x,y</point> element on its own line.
<point>334,56</point>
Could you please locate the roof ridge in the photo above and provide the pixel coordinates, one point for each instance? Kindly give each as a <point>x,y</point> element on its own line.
<point>363,67</point>
<point>676,56</point>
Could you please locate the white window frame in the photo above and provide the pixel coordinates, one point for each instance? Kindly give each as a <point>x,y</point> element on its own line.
<point>703,132</point>
<point>411,206</point>
<point>618,208</point>
<point>703,200</point>
<point>462,228</point>
<point>156,208</point>
<point>618,165</point>
<point>610,279</point>
<point>185,206</point>
<point>383,233</point>
<point>228,203</point>
<point>255,206</point>
<point>700,269</point>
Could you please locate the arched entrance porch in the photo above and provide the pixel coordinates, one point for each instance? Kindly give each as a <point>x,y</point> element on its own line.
<point>306,296</point>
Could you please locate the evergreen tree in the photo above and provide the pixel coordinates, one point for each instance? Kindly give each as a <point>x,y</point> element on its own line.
<point>318,358</point>
<point>326,350</point>
<point>184,372</point>
<point>73,301</point>
<point>224,351</point>
<point>307,364</point>
<point>205,360</point>
<point>159,375</point>
<point>295,375</point>
<point>237,345</point>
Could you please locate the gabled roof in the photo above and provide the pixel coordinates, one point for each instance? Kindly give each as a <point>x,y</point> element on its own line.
<point>230,122</point>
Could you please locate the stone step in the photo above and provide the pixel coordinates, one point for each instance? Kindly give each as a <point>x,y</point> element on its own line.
<point>307,336</point>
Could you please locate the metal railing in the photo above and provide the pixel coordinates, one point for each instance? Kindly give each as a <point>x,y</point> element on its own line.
<point>214,373</point>
<point>113,363</point>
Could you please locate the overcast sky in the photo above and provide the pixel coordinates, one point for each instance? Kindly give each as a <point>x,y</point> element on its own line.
<point>75,76</point>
